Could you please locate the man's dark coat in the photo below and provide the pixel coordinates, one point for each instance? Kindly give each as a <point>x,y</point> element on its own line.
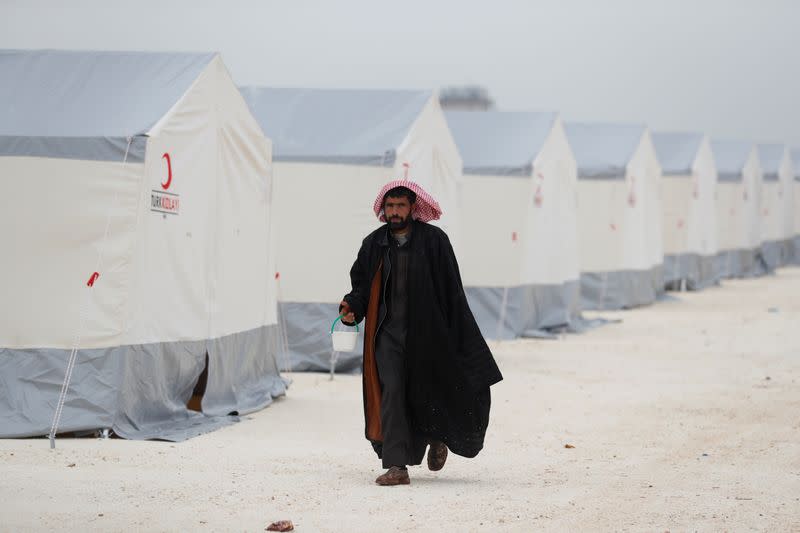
<point>450,367</point>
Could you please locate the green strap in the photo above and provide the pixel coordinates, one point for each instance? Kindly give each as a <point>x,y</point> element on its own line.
<point>338,318</point>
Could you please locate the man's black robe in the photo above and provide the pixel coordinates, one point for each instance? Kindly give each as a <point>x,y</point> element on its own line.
<point>450,367</point>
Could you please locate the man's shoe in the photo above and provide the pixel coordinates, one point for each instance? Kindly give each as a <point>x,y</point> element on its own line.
<point>437,455</point>
<point>394,476</point>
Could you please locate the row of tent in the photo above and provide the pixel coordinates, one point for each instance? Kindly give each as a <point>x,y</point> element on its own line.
<point>160,224</point>
<point>547,219</point>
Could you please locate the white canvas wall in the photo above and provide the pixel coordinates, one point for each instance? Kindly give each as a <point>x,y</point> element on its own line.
<point>619,220</point>
<point>777,199</point>
<point>551,227</point>
<point>677,191</point>
<point>492,256</point>
<point>607,228</point>
<point>217,270</point>
<point>244,253</point>
<point>529,235</point>
<point>771,211</point>
<point>644,169</point>
<point>702,238</point>
<point>53,233</point>
<point>689,208</point>
<point>752,193</point>
<point>731,227</point>
<point>322,213</point>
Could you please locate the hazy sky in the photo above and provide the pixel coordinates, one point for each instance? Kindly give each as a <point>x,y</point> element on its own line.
<point>727,67</point>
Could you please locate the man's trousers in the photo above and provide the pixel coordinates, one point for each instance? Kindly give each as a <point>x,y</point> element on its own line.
<point>401,445</point>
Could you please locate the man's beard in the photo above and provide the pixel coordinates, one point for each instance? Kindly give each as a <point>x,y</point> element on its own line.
<point>397,223</point>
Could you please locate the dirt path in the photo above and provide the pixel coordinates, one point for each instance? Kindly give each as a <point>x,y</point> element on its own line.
<point>684,417</point>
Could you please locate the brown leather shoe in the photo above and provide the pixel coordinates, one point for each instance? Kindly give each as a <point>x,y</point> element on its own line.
<point>394,476</point>
<point>437,455</point>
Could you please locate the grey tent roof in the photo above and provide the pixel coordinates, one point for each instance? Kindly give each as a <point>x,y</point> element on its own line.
<point>796,163</point>
<point>83,104</point>
<point>497,142</point>
<point>335,125</point>
<point>730,156</point>
<point>603,150</point>
<point>677,151</point>
<point>771,156</point>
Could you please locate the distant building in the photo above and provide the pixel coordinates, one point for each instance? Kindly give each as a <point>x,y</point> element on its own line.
<point>469,98</point>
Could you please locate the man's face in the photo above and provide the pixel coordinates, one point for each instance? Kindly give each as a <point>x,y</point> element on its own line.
<point>397,212</point>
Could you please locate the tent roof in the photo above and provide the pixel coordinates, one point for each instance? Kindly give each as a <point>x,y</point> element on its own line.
<point>603,150</point>
<point>335,125</point>
<point>497,142</point>
<point>731,156</point>
<point>771,156</point>
<point>677,151</point>
<point>57,93</point>
<point>84,105</point>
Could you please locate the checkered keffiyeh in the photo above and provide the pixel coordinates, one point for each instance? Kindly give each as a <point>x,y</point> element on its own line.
<point>425,208</point>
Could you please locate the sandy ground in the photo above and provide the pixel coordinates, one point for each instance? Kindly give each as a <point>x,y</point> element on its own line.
<point>684,417</point>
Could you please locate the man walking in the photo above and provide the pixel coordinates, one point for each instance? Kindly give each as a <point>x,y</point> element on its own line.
<point>427,369</point>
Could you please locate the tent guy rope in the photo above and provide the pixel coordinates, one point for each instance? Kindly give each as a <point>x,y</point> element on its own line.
<point>82,320</point>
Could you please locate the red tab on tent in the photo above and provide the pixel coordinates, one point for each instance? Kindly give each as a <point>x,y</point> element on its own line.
<point>632,193</point>
<point>613,227</point>
<point>513,236</point>
<point>92,279</point>
<point>277,275</point>
<point>538,197</point>
<point>680,223</point>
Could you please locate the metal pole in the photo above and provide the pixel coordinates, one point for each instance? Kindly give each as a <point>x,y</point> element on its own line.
<point>502,320</point>
<point>334,357</point>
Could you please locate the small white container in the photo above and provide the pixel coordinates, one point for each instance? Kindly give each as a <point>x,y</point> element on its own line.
<point>343,341</point>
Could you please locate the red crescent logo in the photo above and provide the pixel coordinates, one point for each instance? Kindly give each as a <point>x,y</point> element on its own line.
<point>166,185</point>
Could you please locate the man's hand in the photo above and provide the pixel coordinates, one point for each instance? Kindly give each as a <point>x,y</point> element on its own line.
<point>348,316</point>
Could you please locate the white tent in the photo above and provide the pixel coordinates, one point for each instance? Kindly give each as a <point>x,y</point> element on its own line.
<point>145,176</point>
<point>738,200</point>
<point>519,260</point>
<point>777,204</point>
<point>334,150</point>
<point>619,215</point>
<point>688,194</point>
<point>796,199</point>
